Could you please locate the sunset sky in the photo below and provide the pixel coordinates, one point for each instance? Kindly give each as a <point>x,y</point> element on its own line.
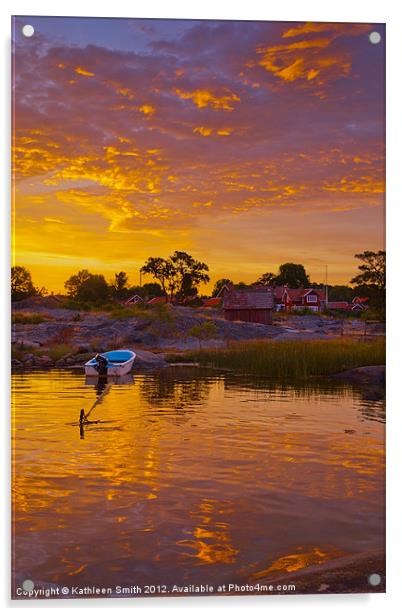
<point>246,144</point>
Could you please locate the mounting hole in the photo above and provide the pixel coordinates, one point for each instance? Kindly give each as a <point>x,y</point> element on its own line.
<point>375,38</point>
<point>28,30</point>
<point>374,579</point>
<point>28,585</point>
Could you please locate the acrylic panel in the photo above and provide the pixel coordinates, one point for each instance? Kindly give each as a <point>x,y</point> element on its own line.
<point>198,308</point>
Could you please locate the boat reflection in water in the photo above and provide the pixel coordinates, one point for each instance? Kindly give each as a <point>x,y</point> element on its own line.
<point>102,385</point>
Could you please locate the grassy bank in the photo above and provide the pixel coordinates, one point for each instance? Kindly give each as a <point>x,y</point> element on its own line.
<point>297,359</point>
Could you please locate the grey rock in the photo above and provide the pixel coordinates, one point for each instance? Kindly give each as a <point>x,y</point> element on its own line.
<point>44,361</point>
<point>147,359</point>
<point>365,375</point>
<point>84,348</point>
<point>26,342</point>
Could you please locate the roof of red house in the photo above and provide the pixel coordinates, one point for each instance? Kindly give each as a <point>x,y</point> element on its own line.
<point>134,299</point>
<point>158,300</point>
<point>297,294</point>
<point>224,289</point>
<point>359,300</point>
<point>256,298</point>
<point>212,302</point>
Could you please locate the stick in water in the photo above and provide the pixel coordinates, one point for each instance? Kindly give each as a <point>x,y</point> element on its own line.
<point>83,416</point>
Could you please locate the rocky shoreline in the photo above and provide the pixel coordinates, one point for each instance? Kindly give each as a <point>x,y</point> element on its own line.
<point>64,338</point>
<point>347,574</point>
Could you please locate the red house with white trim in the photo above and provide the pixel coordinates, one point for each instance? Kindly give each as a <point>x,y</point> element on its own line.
<point>299,299</point>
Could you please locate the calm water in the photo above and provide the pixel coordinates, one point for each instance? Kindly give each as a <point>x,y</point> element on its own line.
<point>193,478</point>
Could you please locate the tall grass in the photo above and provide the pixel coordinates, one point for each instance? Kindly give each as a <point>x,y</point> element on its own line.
<point>297,359</point>
<point>31,318</point>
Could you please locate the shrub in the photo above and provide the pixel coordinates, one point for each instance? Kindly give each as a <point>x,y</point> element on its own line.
<point>204,331</point>
<point>128,312</point>
<point>58,351</point>
<point>73,304</point>
<point>19,349</point>
<point>30,318</point>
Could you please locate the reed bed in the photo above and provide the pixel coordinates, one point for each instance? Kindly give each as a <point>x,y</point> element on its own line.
<point>296,359</point>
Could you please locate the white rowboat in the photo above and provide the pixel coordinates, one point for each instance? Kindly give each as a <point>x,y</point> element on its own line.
<point>118,363</point>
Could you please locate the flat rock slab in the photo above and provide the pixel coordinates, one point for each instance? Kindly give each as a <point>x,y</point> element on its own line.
<point>370,375</point>
<point>348,574</point>
<point>149,360</point>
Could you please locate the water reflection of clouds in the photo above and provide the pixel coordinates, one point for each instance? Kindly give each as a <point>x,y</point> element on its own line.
<point>210,540</point>
<point>240,483</point>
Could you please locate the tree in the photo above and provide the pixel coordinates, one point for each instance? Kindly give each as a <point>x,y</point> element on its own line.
<point>267,279</point>
<point>22,285</point>
<point>120,285</point>
<point>178,275</point>
<point>292,274</point>
<point>87,287</point>
<point>203,331</point>
<point>151,289</point>
<point>74,283</point>
<point>372,269</point>
<point>219,284</point>
<point>340,292</point>
<point>159,269</point>
<point>371,281</point>
<point>190,272</point>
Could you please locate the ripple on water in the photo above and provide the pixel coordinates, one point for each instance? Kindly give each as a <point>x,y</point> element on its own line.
<point>193,469</point>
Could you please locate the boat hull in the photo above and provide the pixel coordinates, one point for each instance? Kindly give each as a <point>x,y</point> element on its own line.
<point>114,367</point>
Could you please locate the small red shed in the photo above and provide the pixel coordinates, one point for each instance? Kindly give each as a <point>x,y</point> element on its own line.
<point>254,305</point>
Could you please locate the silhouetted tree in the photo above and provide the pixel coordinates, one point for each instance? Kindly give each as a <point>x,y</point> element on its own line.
<point>158,268</point>
<point>371,281</point>
<point>120,289</point>
<point>292,274</point>
<point>340,292</point>
<point>267,279</point>
<point>22,285</point>
<point>87,287</point>
<point>372,269</point>
<point>191,273</point>
<point>178,275</point>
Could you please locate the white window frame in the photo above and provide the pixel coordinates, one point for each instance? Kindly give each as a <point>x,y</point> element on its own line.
<point>312,299</point>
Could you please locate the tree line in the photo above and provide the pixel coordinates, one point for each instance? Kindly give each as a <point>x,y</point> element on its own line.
<point>179,277</point>
<point>370,282</point>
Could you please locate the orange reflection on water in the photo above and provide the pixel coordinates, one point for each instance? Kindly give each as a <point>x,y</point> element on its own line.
<point>191,470</point>
<point>212,541</point>
<point>294,562</point>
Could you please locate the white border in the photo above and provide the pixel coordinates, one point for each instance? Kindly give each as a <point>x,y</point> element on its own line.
<point>291,10</point>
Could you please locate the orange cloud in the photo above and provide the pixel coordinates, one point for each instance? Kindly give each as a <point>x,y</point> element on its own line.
<point>313,28</point>
<point>311,59</point>
<point>83,71</point>
<point>147,109</point>
<point>203,130</point>
<point>205,98</point>
<point>206,131</point>
<point>365,184</point>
